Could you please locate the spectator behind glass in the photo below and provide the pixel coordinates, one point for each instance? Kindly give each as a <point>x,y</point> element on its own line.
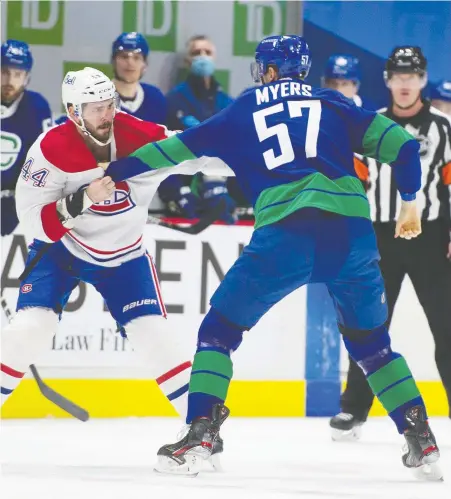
<point>441,97</point>
<point>194,100</point>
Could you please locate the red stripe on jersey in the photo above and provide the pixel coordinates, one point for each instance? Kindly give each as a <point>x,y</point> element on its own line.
<point>10,371</point>
<point>51,224</point>
<point>173,372</point>
<point>65,148</point>
<point>131,133</point>
<point>101,252</point>
<point>157,286</point>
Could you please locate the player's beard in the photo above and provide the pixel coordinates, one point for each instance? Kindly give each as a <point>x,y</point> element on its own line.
<point>102,133</point>
<point>10,94</point>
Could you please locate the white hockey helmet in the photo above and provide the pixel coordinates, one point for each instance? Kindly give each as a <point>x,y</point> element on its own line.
<point>84,86</point>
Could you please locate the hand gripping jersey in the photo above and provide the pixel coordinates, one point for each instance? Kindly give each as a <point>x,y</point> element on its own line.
<point>59,163</point>
<point>291,147</point>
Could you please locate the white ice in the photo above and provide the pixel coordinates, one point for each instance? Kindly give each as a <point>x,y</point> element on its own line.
<point>264,458</point>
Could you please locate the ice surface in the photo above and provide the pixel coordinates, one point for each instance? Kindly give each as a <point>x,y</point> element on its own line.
<point>264,458</point>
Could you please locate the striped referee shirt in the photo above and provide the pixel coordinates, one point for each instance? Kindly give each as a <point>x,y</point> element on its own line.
<point>432,129</point>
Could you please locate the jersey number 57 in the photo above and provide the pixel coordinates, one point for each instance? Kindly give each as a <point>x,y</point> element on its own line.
<point>281,131</point>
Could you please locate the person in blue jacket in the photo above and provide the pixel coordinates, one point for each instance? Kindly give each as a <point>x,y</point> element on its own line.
<point>193,101</point>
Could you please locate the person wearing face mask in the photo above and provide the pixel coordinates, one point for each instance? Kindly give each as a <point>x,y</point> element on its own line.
<point>24,116</point>
<point>426,260</point>
<point>191,102</point>
<point>441,97</point>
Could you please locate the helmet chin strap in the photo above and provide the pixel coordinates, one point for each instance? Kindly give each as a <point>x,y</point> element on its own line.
<point>86,132</point>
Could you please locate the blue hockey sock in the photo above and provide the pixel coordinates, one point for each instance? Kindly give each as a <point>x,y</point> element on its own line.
<point>387,373</point>
<point>212,366</point>
<point>210,378</point>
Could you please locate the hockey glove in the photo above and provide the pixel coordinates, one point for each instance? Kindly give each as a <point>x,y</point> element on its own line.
<point>212,192</point>
<point>178,197</point>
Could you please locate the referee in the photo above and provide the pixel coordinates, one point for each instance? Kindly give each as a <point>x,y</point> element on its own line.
<point>427,259</point>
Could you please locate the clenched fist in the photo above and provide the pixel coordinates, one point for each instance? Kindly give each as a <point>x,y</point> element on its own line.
<point>100,189</point>
<point>409,222</point>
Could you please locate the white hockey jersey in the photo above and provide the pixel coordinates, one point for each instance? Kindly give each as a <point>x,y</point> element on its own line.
<point>59,163</point>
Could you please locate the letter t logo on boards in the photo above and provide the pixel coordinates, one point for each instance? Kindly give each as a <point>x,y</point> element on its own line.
<point>36,23</point>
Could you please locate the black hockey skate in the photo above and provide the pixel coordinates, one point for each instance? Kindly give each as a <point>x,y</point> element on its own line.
<point>421,452</point>
<point>187,456</point>
<point>345,427</point>
<point>218,449</point>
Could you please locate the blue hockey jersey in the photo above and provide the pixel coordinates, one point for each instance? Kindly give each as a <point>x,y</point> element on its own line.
<point>290,146</point>
<point>149,104</point>
<point>21,124</point>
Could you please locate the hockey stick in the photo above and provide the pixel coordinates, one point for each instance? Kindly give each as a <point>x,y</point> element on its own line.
<point>62,402</point>
<point>50,394</point>
<point>196,228</point>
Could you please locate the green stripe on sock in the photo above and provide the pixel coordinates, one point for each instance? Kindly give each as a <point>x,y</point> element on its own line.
<point>213,361</point>
<point>176,149</point>
<point>391,373</point>
<point>399,395</point>
<point>209,384</point>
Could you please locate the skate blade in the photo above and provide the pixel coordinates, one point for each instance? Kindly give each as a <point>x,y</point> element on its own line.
<point>194,462</point>
<point>213,464</point>
<point>430,470</point>
<point>428,473</point>
<point>351,435</point>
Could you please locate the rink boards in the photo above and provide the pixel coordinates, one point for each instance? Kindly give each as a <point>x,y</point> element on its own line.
<point>291,364</point>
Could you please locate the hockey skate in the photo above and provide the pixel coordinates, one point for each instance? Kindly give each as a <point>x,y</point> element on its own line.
<point>345,427</point>
<point>188,455</point>
<point>421,452</point>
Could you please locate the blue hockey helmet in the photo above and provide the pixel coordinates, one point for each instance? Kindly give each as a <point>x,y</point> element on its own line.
<point>442,91</point>
<point>342,67</point>
<point>289,53</point>
<point>133,41</point>
<point>17,54</point>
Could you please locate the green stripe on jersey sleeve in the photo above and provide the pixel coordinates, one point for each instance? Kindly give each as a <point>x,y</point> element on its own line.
<point>165,153</point>
<point>384,138</point>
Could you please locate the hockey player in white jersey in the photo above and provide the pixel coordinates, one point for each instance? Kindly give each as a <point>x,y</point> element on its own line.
<point>94,228</point>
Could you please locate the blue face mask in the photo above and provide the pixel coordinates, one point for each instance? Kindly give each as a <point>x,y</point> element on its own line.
<point>202,65</point>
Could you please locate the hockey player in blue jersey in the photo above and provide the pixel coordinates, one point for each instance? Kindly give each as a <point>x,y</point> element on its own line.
<point>441,96</point>
<point>24,116</point>
<point>129,57</point>
<point>342,73</point>
<point>129,54</point>
<point>291,148</point>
